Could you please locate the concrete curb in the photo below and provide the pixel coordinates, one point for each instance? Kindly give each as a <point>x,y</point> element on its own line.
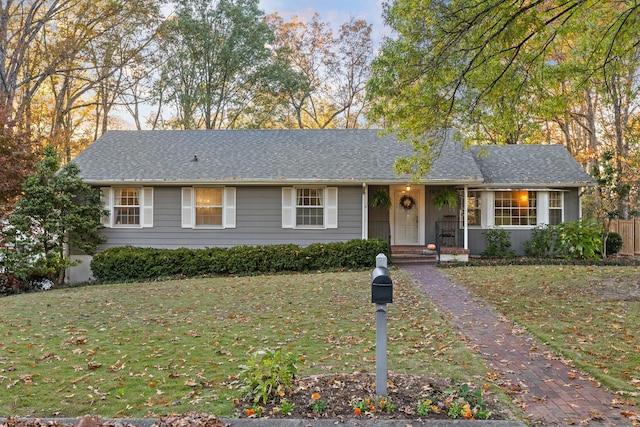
<point>261,422</point>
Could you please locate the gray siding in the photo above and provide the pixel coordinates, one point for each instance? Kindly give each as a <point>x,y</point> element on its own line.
<point>258,222</point>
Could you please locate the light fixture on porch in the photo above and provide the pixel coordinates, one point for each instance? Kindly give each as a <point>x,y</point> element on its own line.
<point>408,188</point>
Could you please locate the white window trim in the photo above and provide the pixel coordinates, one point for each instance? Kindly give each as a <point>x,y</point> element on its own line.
<point>145,198</point>
<point>330,208</point>
<point>188,209</point>
<point>542,209</point>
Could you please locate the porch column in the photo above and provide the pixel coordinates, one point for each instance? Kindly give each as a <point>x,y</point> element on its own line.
<point>465,217</point>
<point>365,211</point>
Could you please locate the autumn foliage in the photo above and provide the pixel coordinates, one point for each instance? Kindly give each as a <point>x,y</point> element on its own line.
<point>17,157</point>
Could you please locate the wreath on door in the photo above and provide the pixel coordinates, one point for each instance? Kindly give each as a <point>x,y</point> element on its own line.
<point>407,202</point>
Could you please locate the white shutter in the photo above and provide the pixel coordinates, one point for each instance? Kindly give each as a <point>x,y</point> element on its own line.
<point>146,207</point>
<point>229,208</point>
<point>288,207</point>
<point>106,201</point>
<point>331,207</point>
<point>187,207</point>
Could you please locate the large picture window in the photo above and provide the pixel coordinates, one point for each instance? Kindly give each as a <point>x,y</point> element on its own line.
<point>310,207</point>
<point>515,208</point>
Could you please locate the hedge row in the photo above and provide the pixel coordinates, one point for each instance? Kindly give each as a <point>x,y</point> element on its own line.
<point>130,263</point>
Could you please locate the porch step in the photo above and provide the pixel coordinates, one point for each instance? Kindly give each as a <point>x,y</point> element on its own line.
<point>408,255</point>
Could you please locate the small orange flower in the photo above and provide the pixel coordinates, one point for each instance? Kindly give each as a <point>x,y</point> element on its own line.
<point>281,393</point>
<point>382,403</point>
<point>315,396</point>
<point>468,414</point>
<point>357,411</point>
<point>372,408</point>
<point>250,412</point>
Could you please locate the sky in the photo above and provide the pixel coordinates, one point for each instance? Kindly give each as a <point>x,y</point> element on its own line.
<point>335,12</point>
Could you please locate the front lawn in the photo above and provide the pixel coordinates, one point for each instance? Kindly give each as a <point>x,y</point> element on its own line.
<point>146,349</point>
<point>589,314</point>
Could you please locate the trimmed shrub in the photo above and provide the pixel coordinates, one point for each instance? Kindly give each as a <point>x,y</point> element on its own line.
<point>541,243</point>
<point>614,243</point>
<point>498,244</point>
<point>129,263</point>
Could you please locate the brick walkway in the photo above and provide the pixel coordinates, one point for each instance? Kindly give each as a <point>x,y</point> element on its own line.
<point>549,390</point>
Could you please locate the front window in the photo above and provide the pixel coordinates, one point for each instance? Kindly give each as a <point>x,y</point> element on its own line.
<point>126,206</point>
<point>474,208</point>
<point>208,206</point>
<point>310,207</point>
<point>555,207</point>
<point>515,208</point>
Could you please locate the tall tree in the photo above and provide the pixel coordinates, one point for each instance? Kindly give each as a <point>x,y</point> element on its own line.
<point>217,53</point>
<point>17,157</point>
<point>330,73</point>
<point>57,210</point>
<point>502,72</point>
<point>60,62</point>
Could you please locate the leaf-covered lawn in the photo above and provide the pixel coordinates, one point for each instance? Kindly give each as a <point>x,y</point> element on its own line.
<point>147,349</point>
<point>589,314</point>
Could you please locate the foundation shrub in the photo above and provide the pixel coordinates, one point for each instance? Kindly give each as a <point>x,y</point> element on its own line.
<point>130,263</point>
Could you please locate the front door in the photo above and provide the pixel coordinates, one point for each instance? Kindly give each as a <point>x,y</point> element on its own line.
<point>407,208</point>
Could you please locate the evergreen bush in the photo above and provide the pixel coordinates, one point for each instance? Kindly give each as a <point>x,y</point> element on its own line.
<point>122,264</point>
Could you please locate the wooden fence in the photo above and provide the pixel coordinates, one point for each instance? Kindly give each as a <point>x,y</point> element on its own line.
<point>629,230</point>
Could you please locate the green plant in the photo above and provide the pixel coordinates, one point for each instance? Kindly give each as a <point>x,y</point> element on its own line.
<point>463,402</point>
<point>267,374</point>
<point>578,240</point>
<point>380,199</point>
<point>318,405</point>
<point>498,244</point>
<point>425,407</point>
<point>286,407</point>
<point>614,243</point>
<point>541,242</point>
<point>56,210</point>
<point>445,197</point>
<point>123,264</point>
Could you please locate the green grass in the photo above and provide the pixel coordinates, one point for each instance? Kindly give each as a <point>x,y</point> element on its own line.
<point>146,349</point>
<point>590,315</point>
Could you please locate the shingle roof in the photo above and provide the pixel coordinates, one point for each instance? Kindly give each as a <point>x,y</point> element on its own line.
<point>319,156</point>
<point>534,165</point>
<point>259,156</point>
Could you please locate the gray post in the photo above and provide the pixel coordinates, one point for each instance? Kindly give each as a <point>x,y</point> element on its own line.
<point>381,339</point>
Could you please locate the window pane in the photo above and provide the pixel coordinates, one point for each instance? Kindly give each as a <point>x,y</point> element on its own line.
<point>310,207</point>
<point>208,216</point>
<point>126,216</point>
<point>474,208</point>
<point>208,206</point>
<point>126,206</point>
<point>309,216</point>
<point>515,208</point>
